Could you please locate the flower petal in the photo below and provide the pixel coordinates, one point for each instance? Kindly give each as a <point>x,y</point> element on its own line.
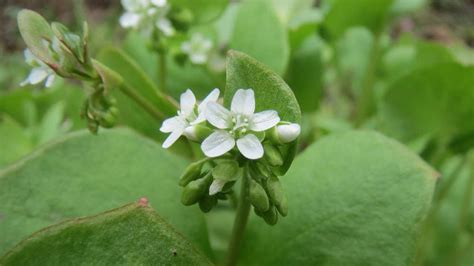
<point>129,20</point>
<point>218,116</point>
<point>212,97</point>
<point>187,102</point>
<point>243,102</point>
<point>37,75</point>
<point>216,186</point>
<point>165,26</point>
<point>264,120</point>
<point>159,3</point>
<point>198,58</point>
<point>217,143</point>
<point>250,147</point>
<point>49,80</point>
<point>173,137</point>
<point>170,124</point>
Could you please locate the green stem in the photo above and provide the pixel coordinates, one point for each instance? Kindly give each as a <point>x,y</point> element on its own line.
<point>366,102</point>
<point>240,221</point>
<point>163,71</point>
<point>143,102</point>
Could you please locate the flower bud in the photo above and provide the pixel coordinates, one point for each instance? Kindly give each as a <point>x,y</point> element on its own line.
<point>197,133</point>
<point>216,186</point>
<point>272,155</point>
<point>258,196</point>
<point>288,133</point>
<point>207,203</point>
<point>270,216</point>
<point>195,190</point>
<point>277,195</point>
<point>191,173</point>
<point>227,170</point>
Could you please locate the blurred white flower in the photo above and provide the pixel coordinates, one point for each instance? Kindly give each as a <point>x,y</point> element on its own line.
<point>39,72</point>
<point>197,48</point>
<point>146,14</point>
<point>190,114</point>
<point>235,127</point>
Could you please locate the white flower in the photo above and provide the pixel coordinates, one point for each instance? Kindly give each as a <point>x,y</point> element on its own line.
<point>146,14</point>
<point>39,72</point>
<point>197,48</point>
<point>288,132</point>
<point>235,127</point>
<point>190,114</point>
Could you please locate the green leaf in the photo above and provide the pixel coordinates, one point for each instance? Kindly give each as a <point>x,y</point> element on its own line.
<point>82,174</point>
<point>35,30</point>
<point>305,74</point>
<point>289,9</point>
<point>355,198</point>
<point>203,10</point>
<point>271,92</point>
<point>259,33</point>
<point>441,105</point>
<point>344,14</point>
<point>50,126</point>
<point>14,142</point>
<point>132,234</point>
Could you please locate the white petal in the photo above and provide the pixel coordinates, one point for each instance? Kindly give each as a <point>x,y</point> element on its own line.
<point>212,97</point>
<point>187,102</point>
<point>190,133</point>
<point>37,75</point>
<point>216,186</point>
<point>217,143</point>
<point>288,133</point>
<point>170,124</point>
<point>198,58</point>
<point>243,102</point>
<point>218,116</point>
<point>30,58</point>
<point>159,3</point>
<point>49,80</point>
<point>250,147</point>
<point>264,120</point>
<point>165,26</point>
<point>173,137</point>
<point>129,20</point>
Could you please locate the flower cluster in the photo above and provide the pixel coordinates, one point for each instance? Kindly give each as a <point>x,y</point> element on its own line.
<point>238,143</point>
<point>197,49</point>
<point>147,15</point>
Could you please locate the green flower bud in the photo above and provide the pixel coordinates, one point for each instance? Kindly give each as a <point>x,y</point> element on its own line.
<point>227,170</point>
<point>195,190</point>
<point>272,155</point>
<point>258,196</point>
<point>197,133</point>
<point>191,173</point>
<point>277,195</point>
<point>107,120</point>
<point>207,203</point>
<point>270,216</point>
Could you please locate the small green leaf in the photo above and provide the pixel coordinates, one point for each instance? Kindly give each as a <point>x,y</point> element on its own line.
<point>259,33</point>
<point>271,92</point>
<point>356,198</point>
<point>441,106</point>
<point>132,234</point>
<point>35,30</point>
<point>203,10</point>
<point>344,14</point>
<point>82,174</point>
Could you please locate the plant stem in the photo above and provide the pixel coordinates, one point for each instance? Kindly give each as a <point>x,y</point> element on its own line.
<point>143,102</point>
<point>163,71</point>
<point>365,102</point>
<point>240,221</point>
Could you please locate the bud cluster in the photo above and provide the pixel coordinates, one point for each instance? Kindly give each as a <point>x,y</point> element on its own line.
<point>99,109</point>
<point>239,144</point>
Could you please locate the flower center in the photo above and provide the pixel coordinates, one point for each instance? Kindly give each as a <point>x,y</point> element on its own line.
<point>241,123</point>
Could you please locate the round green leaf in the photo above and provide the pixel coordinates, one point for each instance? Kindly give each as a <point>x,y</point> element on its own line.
<point>271,92</point>
<point>259,33</point>
<point>356,198</point>
<point>133,234</point>
<point>83,174</point>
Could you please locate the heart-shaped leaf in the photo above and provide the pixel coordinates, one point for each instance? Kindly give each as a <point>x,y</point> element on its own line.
<point>83,174</point>
<point>271,92</point>
<point>259,33</point>
<point>132,234</point>
<point>356,198</point>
